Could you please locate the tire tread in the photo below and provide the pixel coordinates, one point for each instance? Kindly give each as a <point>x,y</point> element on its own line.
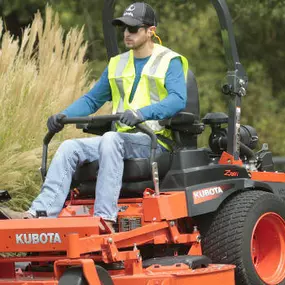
<point>222,238</point>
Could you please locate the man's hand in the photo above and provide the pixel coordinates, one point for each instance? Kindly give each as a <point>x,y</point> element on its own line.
<point>53,123</point>
<point>131,118</point>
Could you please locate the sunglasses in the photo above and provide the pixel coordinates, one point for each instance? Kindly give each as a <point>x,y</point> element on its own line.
<point>132,29</point>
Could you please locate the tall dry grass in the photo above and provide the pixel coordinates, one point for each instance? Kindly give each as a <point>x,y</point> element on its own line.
<point>39,76</point>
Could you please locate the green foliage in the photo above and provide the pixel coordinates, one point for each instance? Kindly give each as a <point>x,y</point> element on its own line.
<point>192,28</point>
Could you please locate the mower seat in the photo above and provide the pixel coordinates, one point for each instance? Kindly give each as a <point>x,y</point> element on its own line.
<point>137,172</point>
<point>136,176</point>
<point>136,169</point>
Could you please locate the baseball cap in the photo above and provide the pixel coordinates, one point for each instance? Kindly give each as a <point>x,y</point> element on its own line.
<point>137,14</point>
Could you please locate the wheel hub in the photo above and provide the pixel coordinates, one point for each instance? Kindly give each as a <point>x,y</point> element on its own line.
<point>268,248</point>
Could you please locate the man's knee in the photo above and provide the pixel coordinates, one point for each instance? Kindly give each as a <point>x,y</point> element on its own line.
<point>67,148</point>
<point>111,140</point>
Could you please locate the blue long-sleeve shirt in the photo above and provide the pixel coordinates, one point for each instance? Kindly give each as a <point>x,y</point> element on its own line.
<point>101,93</point>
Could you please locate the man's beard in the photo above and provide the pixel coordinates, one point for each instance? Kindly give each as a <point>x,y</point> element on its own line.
<point>136,46</point>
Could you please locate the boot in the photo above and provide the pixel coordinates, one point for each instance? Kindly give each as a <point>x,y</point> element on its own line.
<point>109,224</point>
<point>6,213</point>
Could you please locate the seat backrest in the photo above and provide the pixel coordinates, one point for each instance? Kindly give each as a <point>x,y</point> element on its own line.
<point>188,139</point>
<point>193,105</point>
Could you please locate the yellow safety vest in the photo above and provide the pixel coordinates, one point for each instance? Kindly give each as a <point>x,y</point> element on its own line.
<point>151,87</point>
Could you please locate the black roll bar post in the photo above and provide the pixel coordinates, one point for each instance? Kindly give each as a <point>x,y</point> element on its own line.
<point>237,80</point>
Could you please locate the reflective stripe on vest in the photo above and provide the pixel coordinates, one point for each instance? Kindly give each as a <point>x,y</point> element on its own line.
<point>150,89</point>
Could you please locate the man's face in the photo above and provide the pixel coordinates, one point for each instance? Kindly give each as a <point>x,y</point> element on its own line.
<point>138,39</point>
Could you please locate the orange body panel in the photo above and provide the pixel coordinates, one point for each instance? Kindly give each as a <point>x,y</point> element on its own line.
<point>167,206</point>
<point>227,158</point>
<point>268,176</point>
<point>37,235</point>
<point>180,275</point>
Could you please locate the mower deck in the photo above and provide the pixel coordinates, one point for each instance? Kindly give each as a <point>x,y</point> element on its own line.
<point>77,238</point>
<point>156,274</point>
<point>175,275</point>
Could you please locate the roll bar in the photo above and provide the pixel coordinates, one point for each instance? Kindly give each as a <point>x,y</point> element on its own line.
<point>237,80</point>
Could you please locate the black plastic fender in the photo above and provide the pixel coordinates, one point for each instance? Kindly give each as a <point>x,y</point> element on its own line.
<point>207,197</point>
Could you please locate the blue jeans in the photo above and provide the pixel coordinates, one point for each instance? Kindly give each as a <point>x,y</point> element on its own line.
<point>110,149</point>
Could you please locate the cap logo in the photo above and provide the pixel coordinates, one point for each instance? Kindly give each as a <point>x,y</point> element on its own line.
<point>131,8</point>
<point>129,11</point>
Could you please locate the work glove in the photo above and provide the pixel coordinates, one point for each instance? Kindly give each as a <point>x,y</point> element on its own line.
<point>53,123</point>
<point>131,118</point>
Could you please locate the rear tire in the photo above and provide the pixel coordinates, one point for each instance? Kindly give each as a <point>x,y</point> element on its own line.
<point>75,276</point>
<point>248,230</point>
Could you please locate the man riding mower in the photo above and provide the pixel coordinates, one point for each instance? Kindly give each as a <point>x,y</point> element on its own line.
<point>146,83</point>
<point>160,202</point>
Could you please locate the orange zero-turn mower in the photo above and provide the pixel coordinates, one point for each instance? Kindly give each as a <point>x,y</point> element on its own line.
<point>192,216</point>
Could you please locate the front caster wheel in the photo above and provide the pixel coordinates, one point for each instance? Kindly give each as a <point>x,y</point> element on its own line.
<point>75,276</point>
